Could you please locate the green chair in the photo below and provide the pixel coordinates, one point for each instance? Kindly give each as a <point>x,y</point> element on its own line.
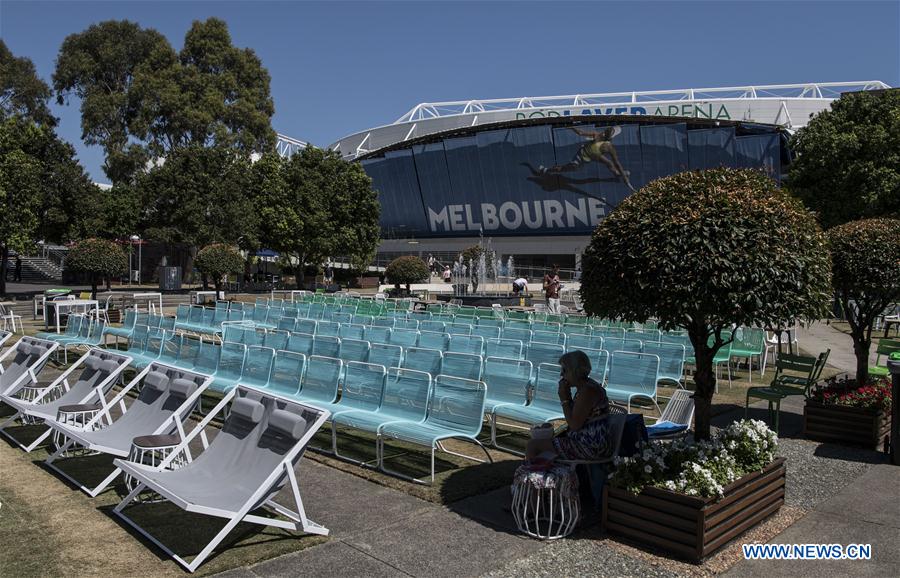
<point>885,348</point>
<point>794,375</point>
<point>749,342</point>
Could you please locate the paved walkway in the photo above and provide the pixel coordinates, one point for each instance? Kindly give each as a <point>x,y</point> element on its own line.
<point>865,512</point>
<point>820,336</point>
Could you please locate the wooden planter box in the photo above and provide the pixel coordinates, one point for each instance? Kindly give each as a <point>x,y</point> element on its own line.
<point>115,315</point>
<point>845,425</point>
<point>689,527</point>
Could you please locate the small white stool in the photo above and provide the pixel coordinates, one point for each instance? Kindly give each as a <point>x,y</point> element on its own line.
<point>151,451</point>
<point>546,503</point>
<point>76,416</point>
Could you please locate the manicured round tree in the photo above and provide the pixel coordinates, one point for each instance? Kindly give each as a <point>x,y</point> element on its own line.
<point>866,275</point>
<point>98,258</point>
<point>218,260</point>
<point>406,270</point>
<point>704,251</point>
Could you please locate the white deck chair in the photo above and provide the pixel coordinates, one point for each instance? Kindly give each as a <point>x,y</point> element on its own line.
<point>98,371</point>
<point>9,319</point>
<point>21,363</point>
<point>166,400</point>
<point>260,444</point>
<point>676,418</point>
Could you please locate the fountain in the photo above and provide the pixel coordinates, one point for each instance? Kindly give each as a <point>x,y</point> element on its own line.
<point>484,276</point>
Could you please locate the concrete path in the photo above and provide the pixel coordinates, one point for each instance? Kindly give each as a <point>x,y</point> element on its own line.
<point>865,512</point>
<point>821,336</point>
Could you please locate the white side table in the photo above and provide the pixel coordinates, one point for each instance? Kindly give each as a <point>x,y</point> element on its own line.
<point>151,451</point>
<point>76,416</point>
<point>546,503</point>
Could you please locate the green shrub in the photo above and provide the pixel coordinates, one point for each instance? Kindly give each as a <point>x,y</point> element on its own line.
<point>406,270</point>
<point>703,251</point>
<point>866,275</point>
<point>218,260</point>
<point>98,258</point>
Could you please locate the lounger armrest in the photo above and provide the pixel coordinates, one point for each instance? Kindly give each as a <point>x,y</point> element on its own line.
<point>186,440</point>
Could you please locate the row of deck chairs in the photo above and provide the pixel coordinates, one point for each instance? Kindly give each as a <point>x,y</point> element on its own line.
<point>250,460</point>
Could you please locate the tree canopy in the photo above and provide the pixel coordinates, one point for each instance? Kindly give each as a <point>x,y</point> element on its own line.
<point>218,260</point>
<point>22,92</point>
<point>848,158</point>
<point>140,100</point>
<point>406,270</point>
<point>97,257</point>
<point>866,275</point>
<point>703,251</point>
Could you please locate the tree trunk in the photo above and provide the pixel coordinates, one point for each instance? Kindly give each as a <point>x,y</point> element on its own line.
<point>93,286</point>
<point>861,348</point>
<point>217,284</point>
<point>109,282</point>
<point>301,278</point>
<point>704,380</point>
<point>205,281</point>
<point>4,258</point>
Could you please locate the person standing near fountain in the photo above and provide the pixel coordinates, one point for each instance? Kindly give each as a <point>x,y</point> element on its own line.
<point>519,286</point>
<point>551,289</point>
<point>447,273</point>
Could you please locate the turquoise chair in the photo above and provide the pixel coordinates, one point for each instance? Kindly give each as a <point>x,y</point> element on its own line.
<point>206,360</point>
<point>258,367</point>
<point>546,326</point>
<point>584,341</point>
<point>459,329</point>
<point>189,350</point>
<point>171,346</point>
<point>321,380</point>
<point>671,361</point>
<point>354,350</point>
<point>127,326</point>
<point>548,337</point>
<point>544,407</point>
<point>517,333</point>
<point>511,348</point>
<point>228,373</point>
<point>409,324</point>
<point>352,331</point>
<point>486,331</point>
<point>362,319</point>
<point>275,339</point>
<point>421,359</point>
<point>309,326</point>
<point>538,353</point>
<point>378,334</point>
<point>432,325</point>
<point>723,355</point>
<point>385,354</point>
<point>287,373</point>
<point>455,410</point>
<point>328,328</point>
<point>403,337</point>
<point>301,343</point>
<point>464,365</point>
<point>362,391</point>
<point>288,324</point>
<point>473,344</point>
<point>434,340</point>
<point>599,362</point>
<point>632,376</point>
<point>326,346</point>
<point>749,342</point>
<point>405,398</point>
<point>507,385</point>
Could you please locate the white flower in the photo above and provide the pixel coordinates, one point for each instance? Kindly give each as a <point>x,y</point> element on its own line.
<point>648,469</point>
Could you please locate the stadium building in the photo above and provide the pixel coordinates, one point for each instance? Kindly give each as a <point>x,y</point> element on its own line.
<point>536,175</point>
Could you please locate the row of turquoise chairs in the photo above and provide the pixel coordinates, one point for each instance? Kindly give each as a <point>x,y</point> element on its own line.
<point>81,331</point>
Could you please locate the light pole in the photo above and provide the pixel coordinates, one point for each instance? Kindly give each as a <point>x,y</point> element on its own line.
<point>137,239</point>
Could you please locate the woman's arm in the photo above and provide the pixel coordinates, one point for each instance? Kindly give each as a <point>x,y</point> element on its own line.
<point>578,411</point>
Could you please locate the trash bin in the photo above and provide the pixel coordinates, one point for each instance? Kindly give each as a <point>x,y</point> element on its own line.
<point>49,295</point>
<point>170,278</point>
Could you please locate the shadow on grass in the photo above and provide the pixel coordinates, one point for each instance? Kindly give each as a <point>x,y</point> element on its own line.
<point>86,469</point>
<point>186,534</point>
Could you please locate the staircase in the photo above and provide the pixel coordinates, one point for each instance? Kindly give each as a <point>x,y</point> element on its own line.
<point>37,270</point>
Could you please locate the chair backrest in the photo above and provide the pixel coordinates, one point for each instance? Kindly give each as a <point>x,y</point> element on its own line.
<point>548,337</point>
<point>351,331</point>
<point>260,312</point>
<point>546,388</point>
<point>386,355</point>
<point>671,359</point>
<point>459,329</point>
<point>432,325</point>
<point>326,346</point>
<point>511,348</point>
<point>434,340</point>
<point>206,360</point>
<point>422,359</point>
<point>383,322</point>
<point>409,324</point>
<point>538,353</point>
<point>362,319</point>
<point>188,350</point>
<point>378,334</point>
<point>749,339</point>
<point>465,365</point>
<point>308,326</point>
<point>404,337</point>
<point>322,378</point>
<point>287,372</point>
<point>610,332</point>
<point>286,323</point>
<point>466,344</point>
<point>519,334</point>
<point>342,317</point>
<point>232,359</point>
<point>582,341</point>
<point>276,339</point>
<point>490,322</point>
<point>182,313</point>
<point>406,394</point>
<point>633,372</point>
<point>354,350</point>
<point>258,366</point>
<point>796,366</point>
<point>96,369</point>
<point>28,354</point>
<point>363,386</point>
<point>599,362</point>
<point>679,409</point>
<point>328,328</point>
<point>457,404</point>
<point>300,343</point>
<point>486,331</point>
<point>546,326</point>
<point>507,379</point>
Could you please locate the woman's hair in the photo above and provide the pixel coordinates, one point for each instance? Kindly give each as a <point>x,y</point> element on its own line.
<point>578,362</point>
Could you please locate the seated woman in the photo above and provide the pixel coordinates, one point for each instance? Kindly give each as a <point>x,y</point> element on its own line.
<point>587,436</point>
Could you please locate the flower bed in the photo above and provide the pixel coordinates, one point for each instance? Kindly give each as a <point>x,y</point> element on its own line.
<point>691,499</point>
<point>843,413</point>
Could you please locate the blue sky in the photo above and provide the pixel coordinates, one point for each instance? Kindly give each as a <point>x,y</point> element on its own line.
<point>341,67</point>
